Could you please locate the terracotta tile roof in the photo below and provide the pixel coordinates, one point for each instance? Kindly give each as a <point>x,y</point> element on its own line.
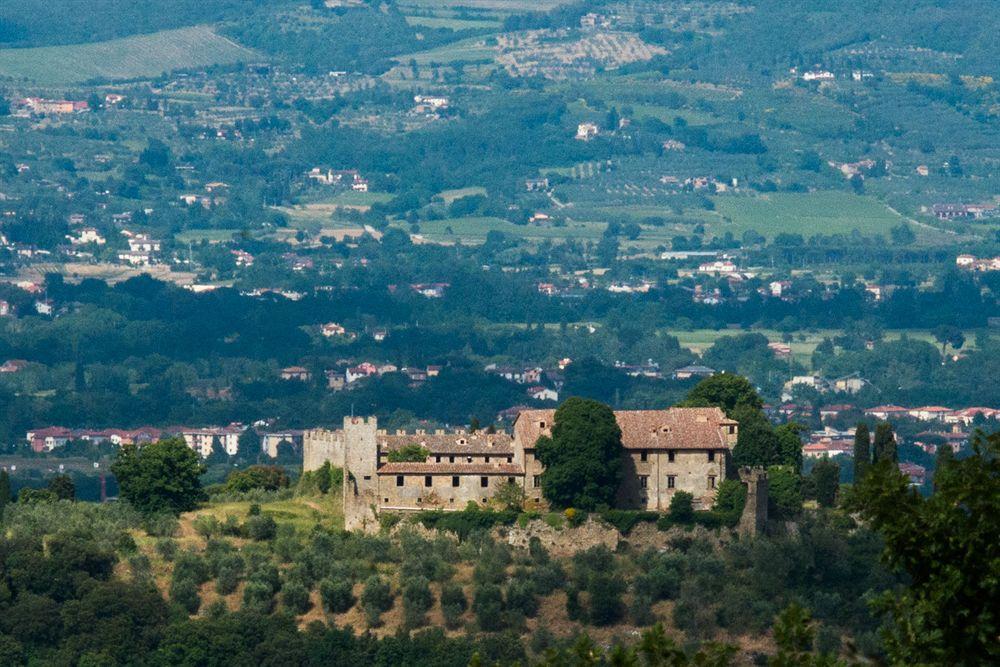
<point>499,444</point>
<point>675,428</point>
<point>450,469</point>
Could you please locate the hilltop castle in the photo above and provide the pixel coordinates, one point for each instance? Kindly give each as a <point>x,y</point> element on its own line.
<point>664,451</point>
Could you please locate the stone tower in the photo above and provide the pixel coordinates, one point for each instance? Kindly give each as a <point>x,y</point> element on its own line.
<point>754,518</point>
<point>360,464</point>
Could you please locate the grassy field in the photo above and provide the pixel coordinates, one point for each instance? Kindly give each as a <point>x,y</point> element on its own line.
<point>451,23</point>
<point>448,196</point>
<point>804,213</point>
<point>473,48</point>
<point>803,343</point>
<point>499,6</point>
<point>128,58</point>
<point>210,235</point>
<point>475,229</point>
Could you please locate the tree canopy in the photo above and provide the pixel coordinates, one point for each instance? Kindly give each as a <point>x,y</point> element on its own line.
<point>160,477</point>
<point>947,544</point>
<point>582,459</point>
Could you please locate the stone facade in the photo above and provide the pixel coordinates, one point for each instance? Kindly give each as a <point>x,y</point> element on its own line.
<point>664,451</point>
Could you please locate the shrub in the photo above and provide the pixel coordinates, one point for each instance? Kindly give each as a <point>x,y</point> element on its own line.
<point>626,520</point>
<point>229,571</point>
<point>376,599</point>
<point>641,610</point>
<point>605,598</point>
<point>412,453</point>
<point>682,507</point>
<point>488,606</point>
<point>467,521</point>
<point>547,578</point>
<point>258,596</point>
<point>417,600</point>
<point>268,478</point>
<point>261,528</point>
<point>206,525</point>
<point>731,498</point>
<point>190,565</point>
<point>167,548</point>
<point>336,594</point>
<point>162,524</point>
<point>521,597</point>
<point>231,526</point>
<point>537,550</point>
<point>184,591</point>
<point>453,604</point>
<point>574,610</point>
<point>295,596</point>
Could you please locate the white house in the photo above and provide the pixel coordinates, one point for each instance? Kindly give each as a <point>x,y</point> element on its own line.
<point>543,394</point>
<point>586,131</point>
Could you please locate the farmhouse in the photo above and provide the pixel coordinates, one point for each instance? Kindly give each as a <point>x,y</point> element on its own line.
<point>664,451</point>
<point>297,373</point>
<point>586,131</point>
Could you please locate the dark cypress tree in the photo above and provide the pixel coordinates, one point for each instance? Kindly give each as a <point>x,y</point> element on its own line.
<point>5,495</point>
<point>826,480</point>
<point>862,451</point>
<point>885,443</point>
<point>943,457</point>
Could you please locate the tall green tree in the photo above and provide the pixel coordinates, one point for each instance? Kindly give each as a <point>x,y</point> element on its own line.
<point>725,390</point>
<point>947,545</point>
<point>862,451</point>
<point>825,478</point>
<point>582,459</point>
<point>160,477</point>
<point>63,488</point>
<point>885,443</point>
<point>942,459</point>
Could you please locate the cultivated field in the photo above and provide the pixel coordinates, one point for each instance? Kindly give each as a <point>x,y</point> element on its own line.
<point>127,58</point>
<point>804,213</point>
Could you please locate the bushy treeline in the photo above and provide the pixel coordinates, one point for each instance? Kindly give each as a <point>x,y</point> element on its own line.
<point>77,588</point>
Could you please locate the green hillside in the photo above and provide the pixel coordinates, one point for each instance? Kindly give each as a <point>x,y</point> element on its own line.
<point>126,58</point>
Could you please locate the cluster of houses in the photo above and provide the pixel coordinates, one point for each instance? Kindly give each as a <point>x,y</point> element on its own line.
<point>142,250</point>
<point>849,384</point>
<point>430,105</point>
<point>347,376</point>
<point>41,105</point>
<point>346,177</point>
<point>201,440</point>
<point>542,384</point>
<point>962,211</point>
<point>973,263</point>
<point>947,427</point>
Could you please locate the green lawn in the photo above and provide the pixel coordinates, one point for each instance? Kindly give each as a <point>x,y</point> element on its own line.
<point>210,235</point>
<point>807,214</point>
<point>126,58</point>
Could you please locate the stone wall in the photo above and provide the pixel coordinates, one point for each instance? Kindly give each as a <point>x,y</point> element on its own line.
<point>320,445</point>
